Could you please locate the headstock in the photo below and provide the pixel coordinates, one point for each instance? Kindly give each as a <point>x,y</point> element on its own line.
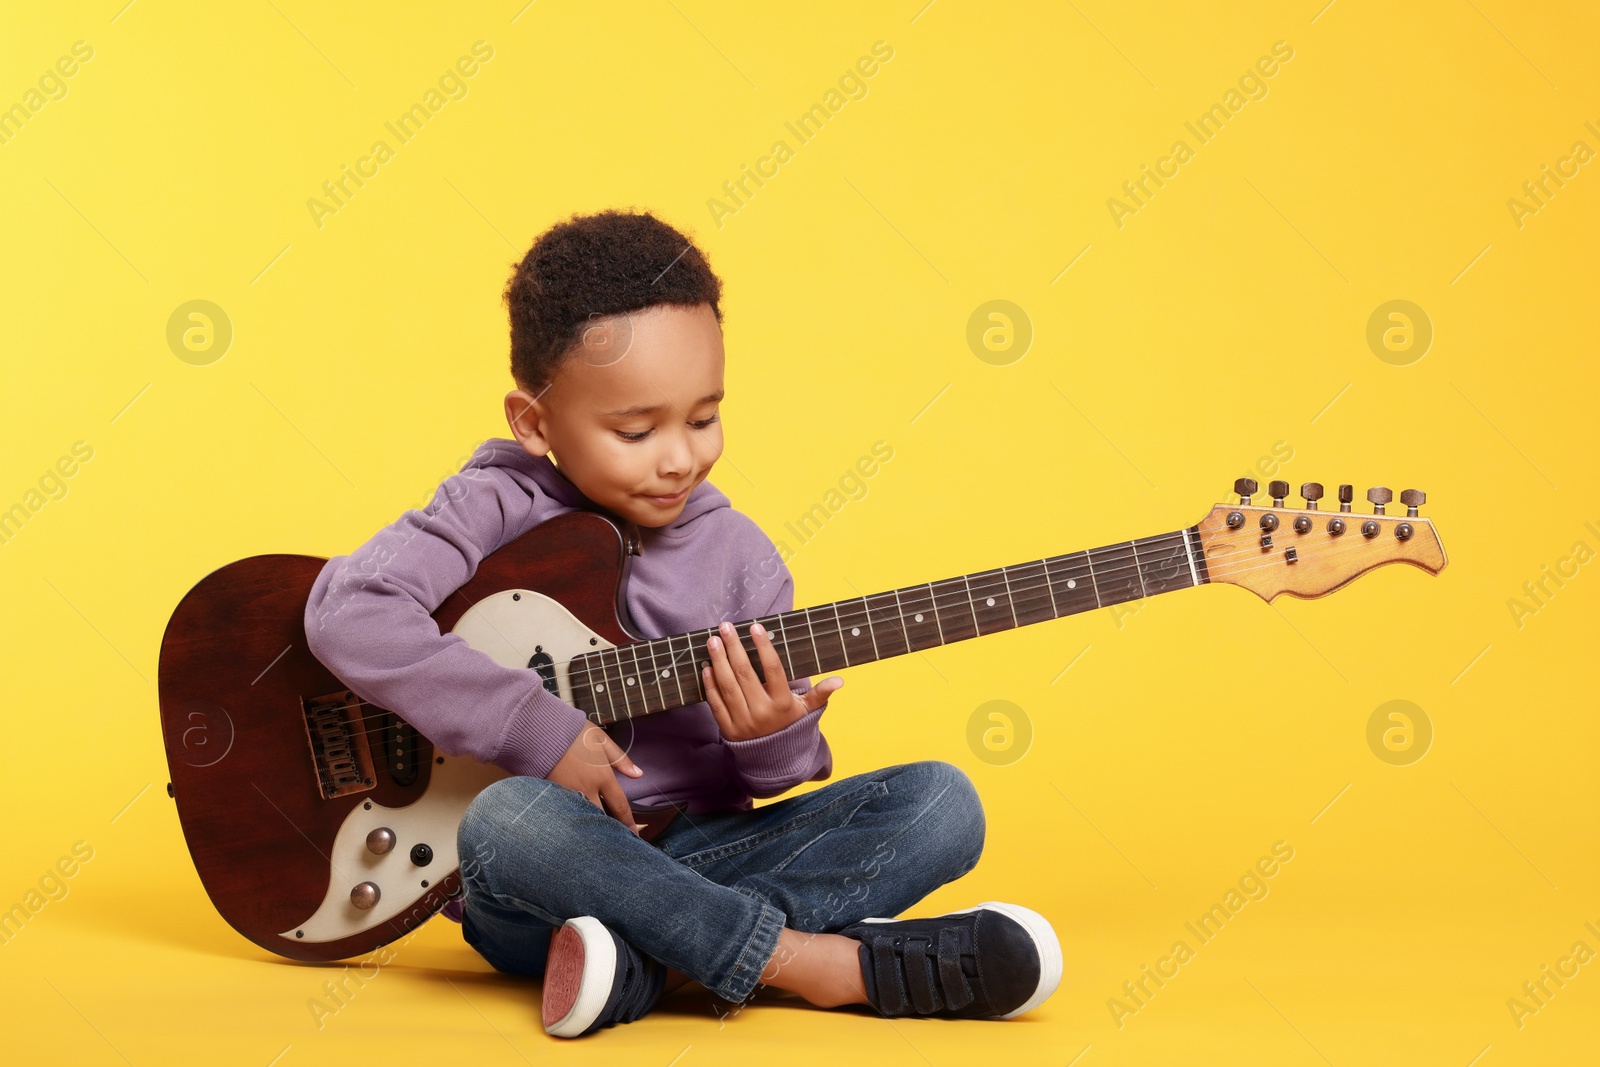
<point>1307,552</point>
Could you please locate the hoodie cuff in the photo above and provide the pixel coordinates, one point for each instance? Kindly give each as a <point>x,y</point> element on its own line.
<point>540,731</point>
<point>782,755</point>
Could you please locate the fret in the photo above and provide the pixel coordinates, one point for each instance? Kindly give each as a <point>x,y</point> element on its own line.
<point>972,606</point>
<point>1115,574</point>
<point>604,688</point>
<point>780,643</point>
<point>1138,567</point>
<point>1167,567</point>
<point>892,639</point>
<point>844,646</point>
<point>900,610</point>
<point>852,622</point>
<point>957,618</point>
<point>655,673</point>
<point>1072,582</point>
<point>677,676</point>
<point>630,687</point>
<point>1010,601</point>
<point>816,656</point>
<point>1033,586</point>
<point>987,610</point>
<point>827,639</point>
<point>1093,581</point>
<point>582,688</point>
<point>921,622</point>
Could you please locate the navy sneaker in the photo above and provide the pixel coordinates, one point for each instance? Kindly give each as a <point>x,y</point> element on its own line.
<point>994,961</point>
<point>594,979</point>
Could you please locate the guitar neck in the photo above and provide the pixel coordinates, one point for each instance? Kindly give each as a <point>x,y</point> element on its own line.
<point>629,681</point>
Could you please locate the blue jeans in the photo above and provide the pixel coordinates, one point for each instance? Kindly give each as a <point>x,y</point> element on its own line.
<point>710,894</point>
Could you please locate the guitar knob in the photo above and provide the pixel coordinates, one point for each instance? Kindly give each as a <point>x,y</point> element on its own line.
<point>1312,491</point>
<point>365,895</point>
<point>1379,496</point>
<point>1244,487</point>
<point>1279,490</point>
<point>380,841</point>
<point>1347,493</point>
<point>1413,499</point>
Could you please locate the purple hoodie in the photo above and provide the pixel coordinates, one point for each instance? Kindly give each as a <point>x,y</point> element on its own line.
<point>368,621</point>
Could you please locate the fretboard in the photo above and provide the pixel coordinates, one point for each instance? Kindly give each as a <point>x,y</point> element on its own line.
<point>609,685</point>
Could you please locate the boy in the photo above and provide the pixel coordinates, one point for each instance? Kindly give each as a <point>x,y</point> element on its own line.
<point>616,350</point>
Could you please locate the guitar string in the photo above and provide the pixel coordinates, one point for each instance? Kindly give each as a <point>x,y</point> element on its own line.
<point>1031,587</point>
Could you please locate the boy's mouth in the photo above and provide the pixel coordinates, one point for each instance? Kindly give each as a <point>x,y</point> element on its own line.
<point>669,501</point>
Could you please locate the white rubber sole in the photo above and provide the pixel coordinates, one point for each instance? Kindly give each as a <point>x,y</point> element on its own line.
<point>597,973</point>
<point>1045,942</point>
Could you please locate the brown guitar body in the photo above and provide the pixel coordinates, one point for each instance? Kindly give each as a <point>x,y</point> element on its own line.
<point>233,674</point>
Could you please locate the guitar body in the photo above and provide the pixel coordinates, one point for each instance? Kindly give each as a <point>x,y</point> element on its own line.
<point>280,774</point>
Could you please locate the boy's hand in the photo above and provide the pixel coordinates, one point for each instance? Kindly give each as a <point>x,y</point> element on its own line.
<point>743,705</point>
<point>586,767</point>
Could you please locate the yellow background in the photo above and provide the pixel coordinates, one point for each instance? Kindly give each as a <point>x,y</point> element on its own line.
<point>1225,319</point>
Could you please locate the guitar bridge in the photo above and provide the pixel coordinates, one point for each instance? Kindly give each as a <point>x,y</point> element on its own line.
<point>337,733</point>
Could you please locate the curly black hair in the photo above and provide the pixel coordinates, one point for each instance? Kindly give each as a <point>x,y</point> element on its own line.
<point>595,265</point>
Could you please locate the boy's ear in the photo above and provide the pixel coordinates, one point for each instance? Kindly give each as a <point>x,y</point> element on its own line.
<point>525,415</point>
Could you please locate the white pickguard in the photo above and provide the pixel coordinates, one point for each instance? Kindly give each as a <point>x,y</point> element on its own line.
<point>508,627</point>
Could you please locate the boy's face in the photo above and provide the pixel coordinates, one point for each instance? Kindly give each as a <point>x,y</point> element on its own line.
<point>631,415</point>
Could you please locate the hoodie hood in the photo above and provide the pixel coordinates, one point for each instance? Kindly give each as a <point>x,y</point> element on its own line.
<point>507,454</point>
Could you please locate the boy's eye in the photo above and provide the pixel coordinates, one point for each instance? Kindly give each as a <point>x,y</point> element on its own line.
<point>642,434</point>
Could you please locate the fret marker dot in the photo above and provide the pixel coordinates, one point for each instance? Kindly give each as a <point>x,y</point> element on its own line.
<point>855,631</point>
<point>600,689</point>
<point>628,680</point>
<point>917,616</point>
<point>1072,583</point>
<point>666,674</point>
<point>990,602</point>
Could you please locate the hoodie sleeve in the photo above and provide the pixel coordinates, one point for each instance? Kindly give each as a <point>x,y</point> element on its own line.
<point>368,620</point>
<point>779,761</point>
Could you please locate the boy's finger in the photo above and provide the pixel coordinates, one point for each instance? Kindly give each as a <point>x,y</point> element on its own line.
<point>818,694</point>
<point>722,674</point>
<point>714,698</point>
<point>617,802</point>
<point>777,684</point>
<point>739,662</point>
<point>620,759</point>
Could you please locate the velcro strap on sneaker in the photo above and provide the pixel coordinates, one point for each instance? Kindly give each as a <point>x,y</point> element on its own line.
<point>919,977</point>
<point>957,993</point>
<point>891,998</point>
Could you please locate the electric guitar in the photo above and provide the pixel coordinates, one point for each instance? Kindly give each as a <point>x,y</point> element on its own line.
<point>323,827</point>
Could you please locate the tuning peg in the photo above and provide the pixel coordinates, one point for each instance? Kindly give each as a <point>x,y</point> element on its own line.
<point>1347,493</point>
<point>1279,490</point>
<point>1312,491</point>
<point>1413,499</point>
<point>1378,496</point>
<point>1244,487</point>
